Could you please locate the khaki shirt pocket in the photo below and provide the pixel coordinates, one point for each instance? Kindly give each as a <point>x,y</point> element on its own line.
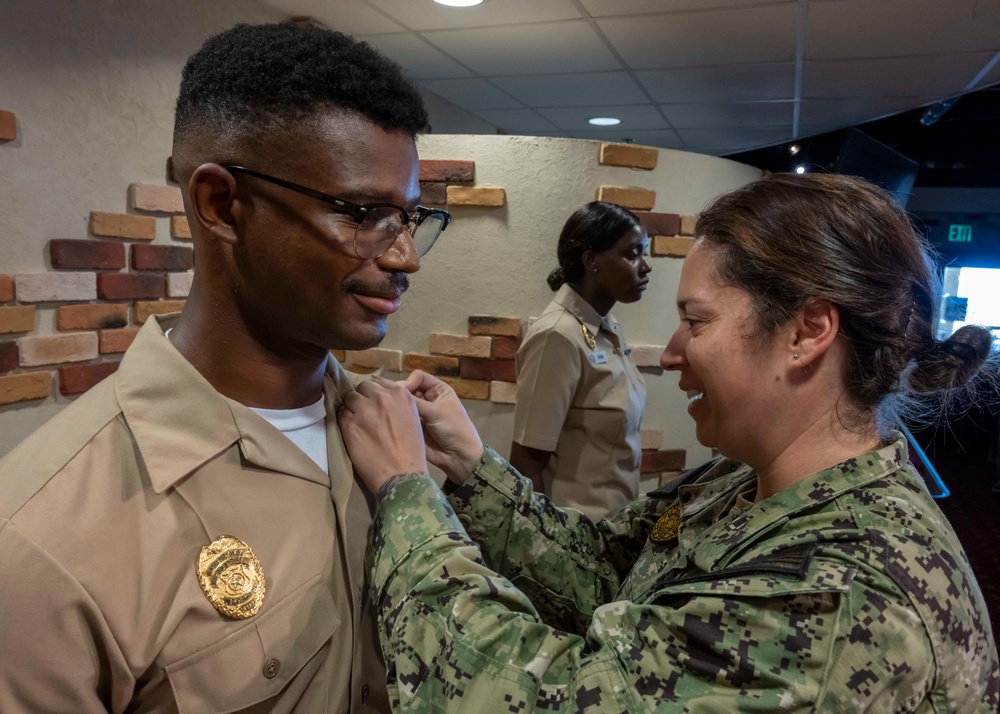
<point>257,661</point>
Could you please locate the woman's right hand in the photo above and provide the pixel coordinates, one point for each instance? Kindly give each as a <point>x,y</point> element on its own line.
<point>452,442</point>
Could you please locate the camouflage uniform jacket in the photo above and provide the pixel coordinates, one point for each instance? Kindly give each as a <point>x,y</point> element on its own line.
<point>847,591</point>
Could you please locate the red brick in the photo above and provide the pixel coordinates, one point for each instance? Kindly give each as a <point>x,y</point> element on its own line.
<point>6,288</point>
<point>78,378</point>
<point>86,255</point>
<point>660,224</point>
<point>505,347</point>
<point>493,325</point>
<point>17,319</point>
<point>503,370</point>
<point>99,316</point>
<point>432,364</point>
<point>8,356</point>
<point>162,199</point>
<point>474,368</point>
<point>169,171</point>
<point>144,310</point>
<point>654,462</point>
<point>22,387</point>
<point>447,170</point>
<point>8,126</point>
<point>122,225</point>
<point>162,257</point>
<point>56,349</point>
<point>433,193</point>
<point>129,286</point>
<point>114,341</point>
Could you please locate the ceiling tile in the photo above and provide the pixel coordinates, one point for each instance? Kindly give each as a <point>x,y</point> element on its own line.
<point>574,90</point>
<point>351,16</point>
<point>425,15</point>
<point>842,113</point>
<point>663,138</point>
<point>471,93</point>
<point>549,48</point>
<point>644,116</point>
<point>617,8</point>
<point>517,121</point>
<point>901,28</point>
<point>737,138</point>
<point>893,77</point>
<point>735,36</point>
<point>728,83</point>
<point>728,114</point>
<point>420,60</point>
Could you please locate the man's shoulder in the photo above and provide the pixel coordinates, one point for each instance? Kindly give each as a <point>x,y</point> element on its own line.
<point>30,465</point>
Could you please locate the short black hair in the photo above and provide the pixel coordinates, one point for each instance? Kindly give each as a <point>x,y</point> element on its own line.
<point>596,226</point>
<point>255,78</point>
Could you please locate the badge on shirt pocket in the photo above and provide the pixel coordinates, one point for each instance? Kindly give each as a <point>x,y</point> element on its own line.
<point>598,357</point>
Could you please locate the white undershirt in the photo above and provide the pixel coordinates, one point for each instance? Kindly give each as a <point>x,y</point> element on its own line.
<point>305,427</point>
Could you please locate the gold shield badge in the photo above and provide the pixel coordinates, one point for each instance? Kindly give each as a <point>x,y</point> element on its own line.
<point>231,577</point>
<point>666,528</point>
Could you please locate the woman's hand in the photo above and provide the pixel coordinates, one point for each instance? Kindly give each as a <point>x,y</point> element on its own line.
<point>453,444</point>
<point>381,430</point>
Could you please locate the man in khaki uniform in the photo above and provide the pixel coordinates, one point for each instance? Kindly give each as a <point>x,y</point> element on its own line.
<point>581,397</point>
<point>188,535</point>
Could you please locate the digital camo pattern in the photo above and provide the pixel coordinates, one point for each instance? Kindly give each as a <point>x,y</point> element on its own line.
<point>846,592</point>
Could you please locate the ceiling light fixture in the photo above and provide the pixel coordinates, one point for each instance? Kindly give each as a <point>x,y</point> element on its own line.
<point>604,121</point>
<point>459,3</point>
<point>800,169</point>
<point>794,149</point>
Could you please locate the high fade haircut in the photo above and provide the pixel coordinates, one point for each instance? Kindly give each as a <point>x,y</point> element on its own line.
<point>257,78</point>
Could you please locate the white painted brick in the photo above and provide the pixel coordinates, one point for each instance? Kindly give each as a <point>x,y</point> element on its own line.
<point>647,355</point>
<point>179,284</point>
<point>503,392</point>
<point>56,287</point>
<point>56,349</point>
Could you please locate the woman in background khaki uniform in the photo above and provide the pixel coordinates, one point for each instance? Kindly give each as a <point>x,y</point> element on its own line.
<point>579,396</point>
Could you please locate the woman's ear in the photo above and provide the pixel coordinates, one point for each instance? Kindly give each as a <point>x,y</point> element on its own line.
<point>212,194</point>
<point>589,261</point>
<point>816,326</point>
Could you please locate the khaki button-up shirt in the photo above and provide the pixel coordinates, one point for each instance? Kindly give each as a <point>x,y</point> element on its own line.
<point>103,512</point>
<point>583,403</point>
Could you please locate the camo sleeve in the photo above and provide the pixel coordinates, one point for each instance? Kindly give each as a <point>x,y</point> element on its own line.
<point>564,562</point>
<point>459,637</point>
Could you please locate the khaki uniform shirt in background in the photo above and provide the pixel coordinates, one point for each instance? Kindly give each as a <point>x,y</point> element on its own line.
<point>103,512</point>
<point>582,403</point>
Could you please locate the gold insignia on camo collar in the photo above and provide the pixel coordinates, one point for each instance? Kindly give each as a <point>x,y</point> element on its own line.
<point>666,528</point>
<point>231,577</point>
<point>588,337</point>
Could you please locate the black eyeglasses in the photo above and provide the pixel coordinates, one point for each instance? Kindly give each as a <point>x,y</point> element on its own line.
<point>379,225</point>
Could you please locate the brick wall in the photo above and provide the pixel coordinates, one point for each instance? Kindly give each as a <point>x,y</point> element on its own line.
<point>102,286</point>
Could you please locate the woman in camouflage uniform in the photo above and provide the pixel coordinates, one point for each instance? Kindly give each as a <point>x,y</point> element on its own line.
<point>807,569</point>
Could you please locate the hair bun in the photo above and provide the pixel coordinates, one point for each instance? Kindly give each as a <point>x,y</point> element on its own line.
<point>557,278</point>
<point>953,362</point>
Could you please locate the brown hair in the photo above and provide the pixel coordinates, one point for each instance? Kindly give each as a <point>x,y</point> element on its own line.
<point>788,238</point>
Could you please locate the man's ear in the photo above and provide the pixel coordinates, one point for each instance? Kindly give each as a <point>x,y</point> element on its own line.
<point>212,195</point>
<point>816,326</point>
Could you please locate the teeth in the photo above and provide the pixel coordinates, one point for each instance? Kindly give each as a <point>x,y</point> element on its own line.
<point>694,395</point>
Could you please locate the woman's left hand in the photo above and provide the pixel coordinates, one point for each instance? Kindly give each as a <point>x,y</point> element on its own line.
<point>382,432</point>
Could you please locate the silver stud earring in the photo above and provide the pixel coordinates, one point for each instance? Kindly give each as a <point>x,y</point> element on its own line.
<point>795,356</point>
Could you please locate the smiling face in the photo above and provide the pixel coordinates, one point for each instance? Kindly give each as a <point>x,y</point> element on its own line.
<point>734,383</point>
<point>623,269</point>
<point>294,272</point>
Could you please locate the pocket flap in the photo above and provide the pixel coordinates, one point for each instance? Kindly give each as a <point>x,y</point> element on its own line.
<point>257,661</point>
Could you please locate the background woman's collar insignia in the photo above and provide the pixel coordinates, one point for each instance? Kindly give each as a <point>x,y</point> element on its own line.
<point>588,336</point>
<point>231,577</point>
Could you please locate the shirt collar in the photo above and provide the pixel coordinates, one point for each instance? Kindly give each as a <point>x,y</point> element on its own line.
<point>180,421</point>
<point>582,310</point>
<point>816,490</point>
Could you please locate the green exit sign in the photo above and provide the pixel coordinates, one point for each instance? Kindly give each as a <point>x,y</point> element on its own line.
<point>959,233</point>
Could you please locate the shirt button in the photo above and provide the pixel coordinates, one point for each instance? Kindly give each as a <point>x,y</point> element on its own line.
<point>271,668</point>
<point>364,693</point>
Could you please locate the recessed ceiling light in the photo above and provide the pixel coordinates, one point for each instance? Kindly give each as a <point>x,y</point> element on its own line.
<point>604,121</point>
<point>459,3</point>
<point>794,149</point>
<point>800,169</point>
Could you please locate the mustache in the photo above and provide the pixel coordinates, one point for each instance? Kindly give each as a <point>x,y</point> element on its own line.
<point>395,282</point>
